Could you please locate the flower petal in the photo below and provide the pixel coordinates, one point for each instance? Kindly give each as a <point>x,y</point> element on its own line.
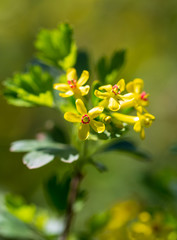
<point>81,107</point>
<point>71,74</point>
<point>84,130</point>
<point>121,85</point>
<point>137,126</point>
<point>66,94</point>
<point>142,133</point>
<point>125,118</point>
<point>72,117</point>
<point>127,104</point>
<point>95,112</point>
<point>84,78</point>
<point>84,90</point>
<point>107,88</point>
<point>130,87</point>
<point>104,103</point>
<point>98,127</point>
<point>101,95</point>
<point>144,103</point>
<point>138,85</point>
<point>113,104</point>
<point>128,96</point>
<point>139,110</point>
<point>61,87</point>
<point>152,117</point>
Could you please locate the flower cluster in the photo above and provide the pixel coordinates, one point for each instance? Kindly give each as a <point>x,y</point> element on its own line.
<point>130,221</point>
<point>112,100</point>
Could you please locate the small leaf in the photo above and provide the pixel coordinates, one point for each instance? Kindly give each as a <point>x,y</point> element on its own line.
<point>117,60</point>
<point>30,89</point>
<point>43,152</point>
<point>58,134</point>
<point>99,166</point>
<point>161,184</point>
<point>95,85</point>
<point>69,60</point>
<point>57,191</point>
<point>102,69</point>
<point>32,145</point>
<point>98,221</point>
<point>37,159</point>
<point>11,227</point>
<point>70,158</point>
<point>174,148</point>
<point>57,46</point>
<point>66,153</point>
<point>82,62</point>
<point>124,146</point>
<point>108,71</point>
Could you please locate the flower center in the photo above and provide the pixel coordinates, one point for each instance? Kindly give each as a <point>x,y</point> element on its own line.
<point>116,89</point>
<point>144,96</point>
<point>85,119</point>
<point>147,121</point>
<point>72,83</point>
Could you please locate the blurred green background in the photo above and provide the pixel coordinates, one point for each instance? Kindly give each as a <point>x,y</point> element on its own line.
<point>148,30</point>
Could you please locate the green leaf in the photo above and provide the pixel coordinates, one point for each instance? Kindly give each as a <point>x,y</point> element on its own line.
<point>70,59</point>
<point>43,152</point>
<point>95,85</point>
<point>37,159</point>
<point>32,145</point>
<point>57,46</point>
<point>108,71</point>
<point>82,62</point>
<point>11,227</point>
<point>102,69</point>
<point>117,60</point>
<point>174,148</point>
<point>57,191</point>
<point>13,201</point>
<point>30,89</point>
<point>124,146</point>
<point>99,166</point>
<point>98,221</point>
<point>67,153</point>
<point>162,185</point>
<point>58,134</point>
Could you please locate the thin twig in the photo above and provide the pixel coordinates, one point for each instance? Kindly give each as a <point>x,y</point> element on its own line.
<point>74,186</point>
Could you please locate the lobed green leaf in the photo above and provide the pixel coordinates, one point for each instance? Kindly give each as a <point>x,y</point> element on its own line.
<point>124,146</point>
<point>57,190</point>
<point>43,152</point>
<point>11,227</point>
<point>37,159</point>
<point>108,71</point>
<point>30,89</point>
<point>57,47</point>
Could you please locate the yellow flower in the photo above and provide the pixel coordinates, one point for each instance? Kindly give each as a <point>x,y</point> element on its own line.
<point>137,97</point>
<point>144,120</point>
<point>105,118</point>
<point>112,95</point>
<point>74,87</point>
<point>86,119</point>
<point>140,121</point>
